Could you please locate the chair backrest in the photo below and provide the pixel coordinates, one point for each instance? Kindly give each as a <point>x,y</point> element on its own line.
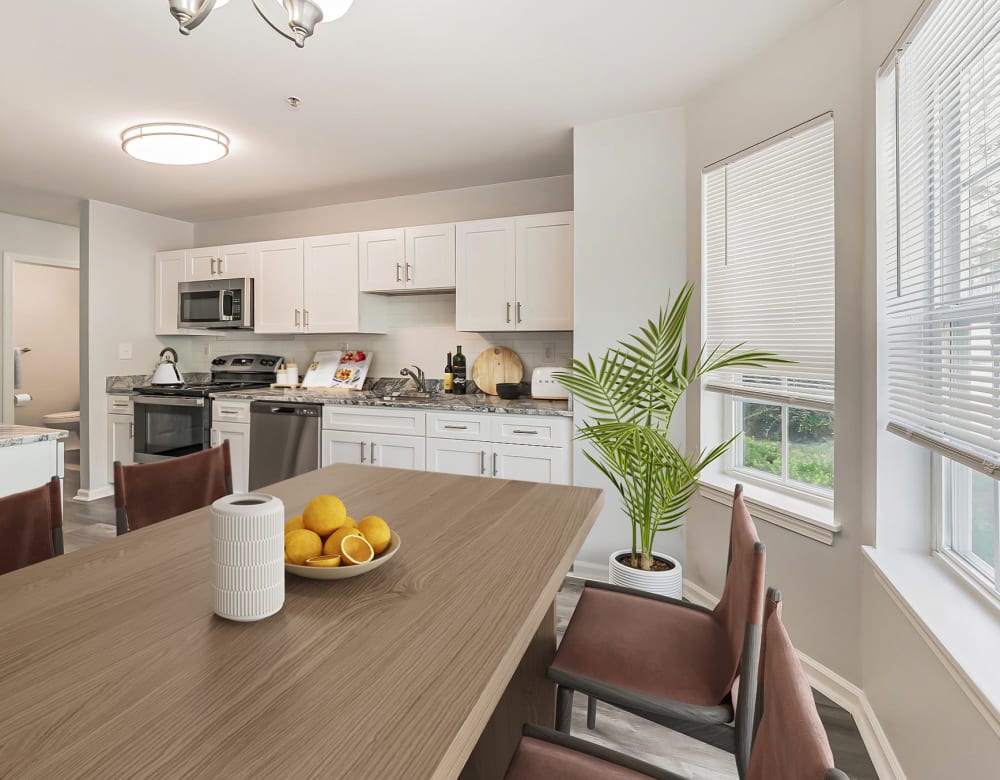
<point>31,526</point>
<point>743,594</point>
<point>147,493</point>
<point>790,742</point>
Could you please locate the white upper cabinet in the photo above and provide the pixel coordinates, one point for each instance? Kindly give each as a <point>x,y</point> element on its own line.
<point>169,273</point>
<point>226,262</point>
<point>429,262</point>
<point>201,264</point>
<point>330,296</point>
<point>414,259</point>
<point>515,274</point>
<point>382,260</point>
<point>278,287</point>
<point>484,275</point>
<point>544,272</point>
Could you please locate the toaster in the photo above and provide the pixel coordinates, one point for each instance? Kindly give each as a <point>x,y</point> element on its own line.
<point>544,385</point>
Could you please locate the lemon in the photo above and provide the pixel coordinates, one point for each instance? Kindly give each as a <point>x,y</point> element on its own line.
<point>301,544</point>
<point>324,560</point>
<point>352,521</point>
<point>332,544</point>
<point>355,549</point>
<point>294,524</point>
<point>376,531</point>
<point>324,515</point>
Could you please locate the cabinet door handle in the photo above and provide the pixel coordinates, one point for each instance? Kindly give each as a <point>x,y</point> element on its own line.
<point>222,265</point>
<point>305,318</point>
<point>373,454</point>
<point>131,430</point>
<point>526,433</point>
<point>399,272</point>
<point>408,277</point>
<point>496,471</point>
<point>233,412</point>
<point>363,451</point>
<point>518,311</point>
<point>482,461</point>
<point>297,318</point>
<point>508,311</point>
<point>213,266</point>
<point>456,427</point>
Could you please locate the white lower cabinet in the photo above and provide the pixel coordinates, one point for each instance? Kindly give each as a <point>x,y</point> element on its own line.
<point>530,463</point>
<point>238,436</point>
<point>121,433</point>
<point>344,447</point>
<point>373,449</point>
<point>455,456</point>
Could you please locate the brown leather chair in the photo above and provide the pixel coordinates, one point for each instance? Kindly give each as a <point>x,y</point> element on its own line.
<point>670,661</point>
<point>31,526</point>
<point>789,742</point>
<point>147,493</point>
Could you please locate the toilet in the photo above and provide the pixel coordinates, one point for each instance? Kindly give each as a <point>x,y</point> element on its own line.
<point>66,421</point>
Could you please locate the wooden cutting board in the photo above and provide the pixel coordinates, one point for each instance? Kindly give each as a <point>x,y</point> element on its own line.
<point>494,366</point>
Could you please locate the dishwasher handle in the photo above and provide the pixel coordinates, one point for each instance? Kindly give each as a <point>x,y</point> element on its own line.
<point>299,410</point>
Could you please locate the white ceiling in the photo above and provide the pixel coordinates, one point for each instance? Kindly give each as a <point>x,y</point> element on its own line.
<point>399,96</point>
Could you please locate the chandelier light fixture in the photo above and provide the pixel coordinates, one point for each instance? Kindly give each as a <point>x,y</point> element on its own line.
<point>303,15</point>
<point>174,143</point>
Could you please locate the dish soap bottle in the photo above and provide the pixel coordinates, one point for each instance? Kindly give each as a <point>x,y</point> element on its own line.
<point>458,369</point>
<point>449,376</point>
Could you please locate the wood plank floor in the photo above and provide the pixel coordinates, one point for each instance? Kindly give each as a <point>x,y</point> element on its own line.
<point>687,756</point>
<point>86,523</point>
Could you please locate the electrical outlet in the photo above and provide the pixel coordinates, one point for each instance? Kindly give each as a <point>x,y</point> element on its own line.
<point>124,351</point>
<point>550,351</point>
<point>206,349</point>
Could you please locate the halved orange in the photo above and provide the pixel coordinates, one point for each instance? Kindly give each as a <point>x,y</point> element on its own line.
<point>323,560</point>
<point>355,549</point>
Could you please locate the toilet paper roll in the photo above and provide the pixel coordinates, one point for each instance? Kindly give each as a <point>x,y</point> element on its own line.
<point>22,399</point>
<point>248,556</point>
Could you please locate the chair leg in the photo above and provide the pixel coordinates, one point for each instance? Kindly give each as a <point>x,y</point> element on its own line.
<point>591,713</point>
<point>564,709</point>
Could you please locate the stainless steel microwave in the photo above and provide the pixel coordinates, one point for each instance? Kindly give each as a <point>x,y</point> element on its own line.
<point>215,303</point>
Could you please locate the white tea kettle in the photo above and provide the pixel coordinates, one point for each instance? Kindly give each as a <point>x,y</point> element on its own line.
<point>166,372</point>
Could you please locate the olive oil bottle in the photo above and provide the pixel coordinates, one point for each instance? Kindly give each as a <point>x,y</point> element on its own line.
<point>449,376</point>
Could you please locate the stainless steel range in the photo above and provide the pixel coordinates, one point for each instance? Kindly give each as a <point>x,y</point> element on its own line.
<point>174,421</point>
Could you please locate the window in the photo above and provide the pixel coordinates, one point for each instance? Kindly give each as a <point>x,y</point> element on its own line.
<point>939,244</point>
<point>769,283</point>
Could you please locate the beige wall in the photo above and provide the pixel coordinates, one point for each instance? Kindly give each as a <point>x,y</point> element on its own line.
<point>47,319</point>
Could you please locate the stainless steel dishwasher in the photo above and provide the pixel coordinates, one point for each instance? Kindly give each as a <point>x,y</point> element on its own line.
<point>285,440</point>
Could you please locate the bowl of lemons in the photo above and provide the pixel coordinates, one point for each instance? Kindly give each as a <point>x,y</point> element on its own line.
<point>325,543</point>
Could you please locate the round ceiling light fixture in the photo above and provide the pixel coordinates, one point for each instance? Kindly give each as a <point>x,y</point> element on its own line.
<point>174,143</point>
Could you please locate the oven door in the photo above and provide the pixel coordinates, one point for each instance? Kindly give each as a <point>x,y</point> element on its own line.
<point>170,426</point>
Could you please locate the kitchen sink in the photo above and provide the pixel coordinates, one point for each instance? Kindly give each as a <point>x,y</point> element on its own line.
<point>415,395</point>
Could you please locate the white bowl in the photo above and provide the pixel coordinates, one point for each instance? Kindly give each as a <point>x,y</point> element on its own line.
<point>345,572</point>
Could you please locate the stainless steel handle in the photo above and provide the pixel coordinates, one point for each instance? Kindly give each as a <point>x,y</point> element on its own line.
<point>228,411</point>
<point>482,461</point>
<point>131,430</point>
<point>496,471</point>
<point>399,272</point>
<point>508,311</point>
<point>305,318</point>
<point>150,400</point>
<point>363,451</point>
<point>456,427</point>
<point>518,311</point>
<point>222,265</point>
<point>527,433</point>
<point>408,277</point>
<point>213,266</point>
<point>297,313</point>
<point>373,454</point>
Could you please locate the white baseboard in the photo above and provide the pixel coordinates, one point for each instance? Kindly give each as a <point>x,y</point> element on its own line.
<point>93,495</point>
<point>584,570</point>
<point>839,690</point>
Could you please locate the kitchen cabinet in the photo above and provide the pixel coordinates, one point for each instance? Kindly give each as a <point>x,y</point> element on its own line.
<point>373,449</point>
<point>231,422</point>
<point>468,458</point>
<point>414,259</point>
<point>515,274</point>
<point>531,463</point>
<point>30,465</point>
<point>169,272</point>
<point>228,262</point>
<point>331,300</point>
<point>278,306</point>
<point>121,433</point>
<point>344,447</point>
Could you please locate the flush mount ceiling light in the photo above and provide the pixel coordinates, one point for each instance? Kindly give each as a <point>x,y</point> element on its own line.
<point>303,15</point>
<point>175,143</point>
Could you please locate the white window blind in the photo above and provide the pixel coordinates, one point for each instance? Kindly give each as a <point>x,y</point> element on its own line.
<point>939,231</point>
<point>769,265</point>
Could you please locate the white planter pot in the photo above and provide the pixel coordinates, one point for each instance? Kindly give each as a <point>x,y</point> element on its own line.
<point>664,583</point>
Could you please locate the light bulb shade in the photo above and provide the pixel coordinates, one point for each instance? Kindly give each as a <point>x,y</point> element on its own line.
<point>174,143</point>
<point>331,9</point>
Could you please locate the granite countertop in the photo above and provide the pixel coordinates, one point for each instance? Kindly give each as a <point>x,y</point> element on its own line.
<point>451,403</point>
<point>12,435</point>
<point>125,385</point>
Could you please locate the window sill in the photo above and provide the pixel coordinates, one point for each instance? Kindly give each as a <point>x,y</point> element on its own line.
<point>961,627</point>
<point>813,521</point>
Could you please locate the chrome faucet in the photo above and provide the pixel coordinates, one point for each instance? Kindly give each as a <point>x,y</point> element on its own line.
<point>417,377</point>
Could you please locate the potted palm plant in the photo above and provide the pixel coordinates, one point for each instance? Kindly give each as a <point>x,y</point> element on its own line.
<point>631,394</point>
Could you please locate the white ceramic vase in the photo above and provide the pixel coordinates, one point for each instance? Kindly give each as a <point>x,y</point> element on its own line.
<point>664,583</point>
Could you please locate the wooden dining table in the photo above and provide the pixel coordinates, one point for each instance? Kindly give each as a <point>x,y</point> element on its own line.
<point>112,663</point>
